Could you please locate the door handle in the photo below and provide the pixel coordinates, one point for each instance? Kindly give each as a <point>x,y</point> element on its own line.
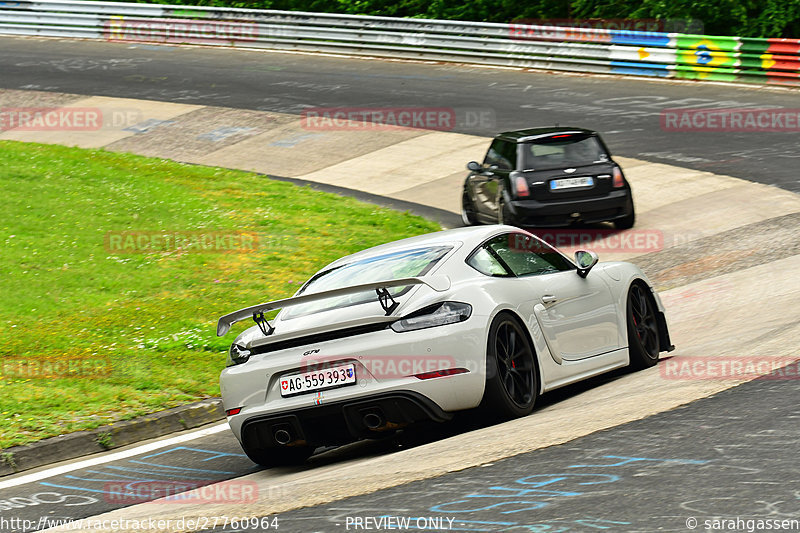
<point>549,299</point>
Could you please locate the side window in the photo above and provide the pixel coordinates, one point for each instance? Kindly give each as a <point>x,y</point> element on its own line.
<point>527,256</point>
<point>484,262</point>
<point>501,153</point>
<point>509,151</point>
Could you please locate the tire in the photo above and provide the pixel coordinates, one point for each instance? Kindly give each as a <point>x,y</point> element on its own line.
<point>643,341</point>
<point>504,216</point>
<point>512,383</point>
<point>272,457</point>
<point>628,220</point>
<point>468,210</point>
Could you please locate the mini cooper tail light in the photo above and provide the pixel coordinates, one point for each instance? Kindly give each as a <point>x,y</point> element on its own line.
<point>441,373</point>
<point>618,181</point>
<point>521,184</point>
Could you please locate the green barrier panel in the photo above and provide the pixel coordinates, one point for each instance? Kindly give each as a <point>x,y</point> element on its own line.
<point>707,51</point>
<point>707,42</point>
<point>705,73</point>
<point>753,45</point>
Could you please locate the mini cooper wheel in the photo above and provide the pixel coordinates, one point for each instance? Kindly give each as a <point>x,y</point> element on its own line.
<point>504,215</point>
<point>468,210</point>
<point>628,220</point>
<point>512,380</point>
<point>643,343</point>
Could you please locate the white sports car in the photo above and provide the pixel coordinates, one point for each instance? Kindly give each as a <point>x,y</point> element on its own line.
<point>414,330</point>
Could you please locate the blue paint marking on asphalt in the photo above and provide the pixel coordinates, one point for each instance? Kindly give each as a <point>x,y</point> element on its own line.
<point>183,468</point>
<point>74,487</point>
<point>480,523</point>
<point>214,454</point>
<point>121,476</point>
<point>533,505</point>
<point>164,474</point>
<point>113,477</point>
<point>596,523</point>
<point>148,471</point>
<point>627,460</point>
<point>533,486</point>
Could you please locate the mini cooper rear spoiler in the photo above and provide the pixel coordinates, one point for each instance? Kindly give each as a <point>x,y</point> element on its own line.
<point>256,312</point>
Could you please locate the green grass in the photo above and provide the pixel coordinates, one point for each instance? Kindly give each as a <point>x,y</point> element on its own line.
<point>91,336</point>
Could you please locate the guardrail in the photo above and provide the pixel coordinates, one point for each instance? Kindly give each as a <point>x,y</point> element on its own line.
<point>661,54</point>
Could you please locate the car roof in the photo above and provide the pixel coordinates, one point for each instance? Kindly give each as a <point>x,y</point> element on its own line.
<point>531,134</point>
<point>471,236</point>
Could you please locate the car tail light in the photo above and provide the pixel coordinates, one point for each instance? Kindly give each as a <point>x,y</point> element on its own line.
<point>521,184</point>
<point>234,411</point>
<point>441,373</point>
<point>237,355</point>
<point>618,180</point>
<point>439,314</point>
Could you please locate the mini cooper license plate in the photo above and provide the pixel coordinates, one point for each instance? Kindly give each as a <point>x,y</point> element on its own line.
<point>328,378</point>
<point>571,183</point>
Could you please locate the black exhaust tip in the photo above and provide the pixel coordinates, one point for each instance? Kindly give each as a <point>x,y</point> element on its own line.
<point>282,437</point>
<point>373,421</point>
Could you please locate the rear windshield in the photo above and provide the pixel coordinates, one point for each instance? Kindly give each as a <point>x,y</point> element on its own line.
<point>559,151</point>
<point>396,265</point>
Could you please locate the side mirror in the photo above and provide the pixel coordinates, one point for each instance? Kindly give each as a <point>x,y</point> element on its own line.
<point>585,261</point>
<point>474,166</point>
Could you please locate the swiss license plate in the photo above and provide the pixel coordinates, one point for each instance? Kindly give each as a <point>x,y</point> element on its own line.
<point>328,378</point>
<point>571,183</point>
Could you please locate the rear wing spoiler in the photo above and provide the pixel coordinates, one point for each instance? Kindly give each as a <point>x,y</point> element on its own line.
<point>437,283</point>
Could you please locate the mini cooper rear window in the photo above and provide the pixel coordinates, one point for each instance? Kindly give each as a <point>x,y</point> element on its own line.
<point>396,265</point>
<point>561,151</point>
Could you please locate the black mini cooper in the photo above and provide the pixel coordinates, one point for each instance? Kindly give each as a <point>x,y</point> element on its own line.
<point>547,177</point>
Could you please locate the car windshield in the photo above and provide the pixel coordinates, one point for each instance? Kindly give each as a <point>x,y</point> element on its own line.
<point>396,265</point>
<point>561,151</point>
